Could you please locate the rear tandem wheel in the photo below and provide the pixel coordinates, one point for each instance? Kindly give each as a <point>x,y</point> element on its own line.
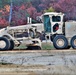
<point>60,42</point>
<point>73,42</point>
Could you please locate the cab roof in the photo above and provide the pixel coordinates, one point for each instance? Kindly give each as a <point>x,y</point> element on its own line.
<point>53,13</point>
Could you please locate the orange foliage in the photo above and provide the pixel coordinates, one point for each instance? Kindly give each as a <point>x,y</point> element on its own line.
<point>7,8</point>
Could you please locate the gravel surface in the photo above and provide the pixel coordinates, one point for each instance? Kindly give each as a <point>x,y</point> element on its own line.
<point>44,62</point>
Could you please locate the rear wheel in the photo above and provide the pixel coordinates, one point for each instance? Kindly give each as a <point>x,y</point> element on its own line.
<point>60,42</point>
<point>4,43</point>
<point>73,42</point>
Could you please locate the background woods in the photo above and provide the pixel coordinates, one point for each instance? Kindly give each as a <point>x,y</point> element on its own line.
<point>21,9</point>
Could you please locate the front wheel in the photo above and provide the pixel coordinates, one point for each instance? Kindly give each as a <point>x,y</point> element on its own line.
<point>60,42</point>
<point>4,43</point>
<point>11,45</point>
<point>73,42</point>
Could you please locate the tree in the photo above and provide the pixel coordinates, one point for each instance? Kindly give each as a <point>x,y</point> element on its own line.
<point>66,6</point>
<point>51,9</point>
<point>3,22</point>
<point>32,11</point>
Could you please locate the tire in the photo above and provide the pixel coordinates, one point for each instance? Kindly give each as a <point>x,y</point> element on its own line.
<point>11,45</point>
<point>4,43</point>
<point>73,42</point>
<point>60,42</point>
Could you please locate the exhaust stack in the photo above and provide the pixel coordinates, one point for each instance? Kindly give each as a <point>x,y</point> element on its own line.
<point>29,20</point>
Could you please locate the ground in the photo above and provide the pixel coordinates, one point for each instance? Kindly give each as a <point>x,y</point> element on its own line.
<point>38,62</point>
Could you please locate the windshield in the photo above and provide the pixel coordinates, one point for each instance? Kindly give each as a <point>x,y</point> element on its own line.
<point>47,24</point>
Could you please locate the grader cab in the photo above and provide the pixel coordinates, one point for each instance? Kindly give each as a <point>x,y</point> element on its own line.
<point>62,34</point>
<point>53,22</point>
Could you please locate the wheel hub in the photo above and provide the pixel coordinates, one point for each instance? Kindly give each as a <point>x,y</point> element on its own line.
<point>2,44</point>
<point>60,42</point>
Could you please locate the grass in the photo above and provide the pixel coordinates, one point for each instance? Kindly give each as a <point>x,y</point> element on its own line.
<point>45,46</point>
<point>21,47</point>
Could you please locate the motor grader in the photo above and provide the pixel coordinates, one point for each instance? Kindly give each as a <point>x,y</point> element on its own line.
<point>61,34</point>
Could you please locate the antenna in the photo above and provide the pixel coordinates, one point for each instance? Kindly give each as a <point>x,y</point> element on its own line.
<point>10,15</point>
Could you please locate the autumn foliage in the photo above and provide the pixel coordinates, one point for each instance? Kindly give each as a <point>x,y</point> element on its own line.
<point>23,8</point>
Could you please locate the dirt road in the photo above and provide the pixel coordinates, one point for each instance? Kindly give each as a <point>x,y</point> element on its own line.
<point>45,62</point>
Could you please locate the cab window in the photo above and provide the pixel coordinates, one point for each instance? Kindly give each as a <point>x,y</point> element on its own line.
<point>56,18</point>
